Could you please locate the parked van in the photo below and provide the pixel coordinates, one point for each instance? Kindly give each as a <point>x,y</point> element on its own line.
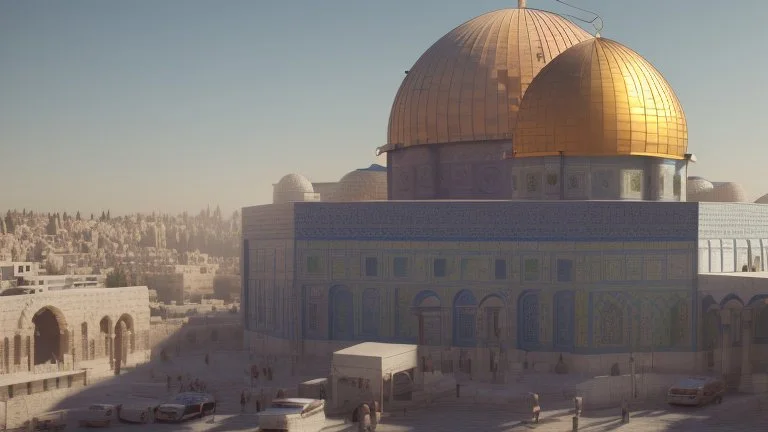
<point>697,391</point>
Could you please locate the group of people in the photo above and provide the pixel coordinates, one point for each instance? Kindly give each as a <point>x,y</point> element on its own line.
<point>192,385</point>
<point>261,402</point>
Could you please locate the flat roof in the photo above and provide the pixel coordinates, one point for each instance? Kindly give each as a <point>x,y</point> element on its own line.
<point>376,349</point>
<point>25,377</point>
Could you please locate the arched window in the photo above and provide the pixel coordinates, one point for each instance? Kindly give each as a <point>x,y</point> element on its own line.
<point>464,310</point>
<point>612,325</point>
<point>528,321</point>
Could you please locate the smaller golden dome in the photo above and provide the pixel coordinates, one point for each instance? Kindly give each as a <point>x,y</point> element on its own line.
<point>599,98</point>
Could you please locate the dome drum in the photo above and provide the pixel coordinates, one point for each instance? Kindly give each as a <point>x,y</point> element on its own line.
<point>450,171</point>
<point>597,178</point>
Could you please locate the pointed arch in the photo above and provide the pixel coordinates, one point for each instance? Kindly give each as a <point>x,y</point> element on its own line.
<point>733,299</point>
<point>423,295</point>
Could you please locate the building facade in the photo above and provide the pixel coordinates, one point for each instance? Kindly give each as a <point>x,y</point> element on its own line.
<point>536,216</point>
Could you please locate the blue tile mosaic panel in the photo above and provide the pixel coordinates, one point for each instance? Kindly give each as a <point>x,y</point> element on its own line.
<point>497,221</point>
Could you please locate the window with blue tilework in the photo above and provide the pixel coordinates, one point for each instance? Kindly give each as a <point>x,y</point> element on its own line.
<point>564,270</point>
<point>531,271</point>
<point>371,267</point>
<point>400,267</point>
<point>500,269</point>
<point>314,265</point>
<point>440,267</point>
<point>313,317</point>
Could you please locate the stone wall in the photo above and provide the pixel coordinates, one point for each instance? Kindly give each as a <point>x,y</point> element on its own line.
<point>16,410</point>
<point>197,337</point>
<point>86,321</point>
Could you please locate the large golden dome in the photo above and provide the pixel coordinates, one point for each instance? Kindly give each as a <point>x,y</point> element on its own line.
<point>600,98</point>
<point>468,85</point>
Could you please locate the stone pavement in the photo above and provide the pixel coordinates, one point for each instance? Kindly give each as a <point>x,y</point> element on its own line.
<point>226,378</point>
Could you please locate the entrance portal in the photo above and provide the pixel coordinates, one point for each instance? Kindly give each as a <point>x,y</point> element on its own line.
<point>50,336</point>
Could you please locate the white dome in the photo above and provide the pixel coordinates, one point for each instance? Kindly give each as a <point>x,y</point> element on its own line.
<point>697,185</point>
<point>762,200</point>
<point>722,192</point>
<point>368,184</point>
<point>291,188</point>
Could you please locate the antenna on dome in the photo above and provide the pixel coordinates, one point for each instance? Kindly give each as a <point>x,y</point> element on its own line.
<point>598,27</point>
<point>521,4</point>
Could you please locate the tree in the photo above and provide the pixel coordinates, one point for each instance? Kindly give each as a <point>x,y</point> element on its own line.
<point>77,216</point>
<point>9,225</point>
<point>108,217</point>
<point>117,278</point>
<point>91,216</point>
<point>103,216</point>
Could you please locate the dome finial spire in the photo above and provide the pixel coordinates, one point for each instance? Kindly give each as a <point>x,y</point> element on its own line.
<point>521,4</point>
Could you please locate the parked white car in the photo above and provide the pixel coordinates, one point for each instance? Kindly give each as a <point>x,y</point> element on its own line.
<point>100,415</point>
<point>293,415</point>
<point>138,411</point>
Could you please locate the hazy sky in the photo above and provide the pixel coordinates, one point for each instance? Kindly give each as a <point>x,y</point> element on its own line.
<point>174,104</point>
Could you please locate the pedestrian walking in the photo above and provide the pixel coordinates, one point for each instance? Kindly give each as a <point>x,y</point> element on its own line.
<point>242,401</point>
<point>536,409</point>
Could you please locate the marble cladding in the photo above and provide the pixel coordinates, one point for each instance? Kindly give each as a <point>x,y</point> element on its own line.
<point>733,221</point>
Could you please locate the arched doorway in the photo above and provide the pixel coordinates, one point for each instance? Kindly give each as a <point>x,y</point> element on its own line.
<point>50,336</point>
<point>124,340</point>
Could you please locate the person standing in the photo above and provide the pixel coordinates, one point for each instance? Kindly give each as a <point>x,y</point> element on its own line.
<point>242,401</point>
<point>624,411</point>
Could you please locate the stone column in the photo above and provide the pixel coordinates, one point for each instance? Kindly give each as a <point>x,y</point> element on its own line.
<point>725,340</point>
<point>746,349</point>
<point>111,350</point>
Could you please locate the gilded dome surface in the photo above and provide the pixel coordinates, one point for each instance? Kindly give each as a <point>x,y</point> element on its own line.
<point>600,98</point>
<point>468,85</point>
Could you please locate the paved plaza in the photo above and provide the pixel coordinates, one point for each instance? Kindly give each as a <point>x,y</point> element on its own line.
<point>225,380</point>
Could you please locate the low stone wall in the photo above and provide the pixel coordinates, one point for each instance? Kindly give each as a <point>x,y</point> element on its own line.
<point>609,391</point>
<point>196,336</point>
<point>15,411</point>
